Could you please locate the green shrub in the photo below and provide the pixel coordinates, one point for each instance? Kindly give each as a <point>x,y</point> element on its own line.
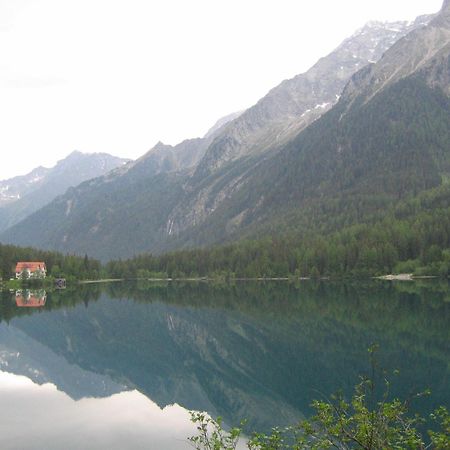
<point>361,422</point>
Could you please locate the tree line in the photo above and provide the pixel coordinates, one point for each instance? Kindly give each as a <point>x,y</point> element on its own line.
<point>412,236</point>
<point>408,236</point>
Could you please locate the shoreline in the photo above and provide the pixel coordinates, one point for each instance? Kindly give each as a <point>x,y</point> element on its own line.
<point>404,277</point>
<point>388,277</point>
<point>103,280</point>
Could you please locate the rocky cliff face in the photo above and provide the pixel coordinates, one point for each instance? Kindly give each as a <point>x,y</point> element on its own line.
<point>295,103</point>
<point>279,116</point>
<point>164,158</point>
<point>242,192</point>
<point>419,51</point>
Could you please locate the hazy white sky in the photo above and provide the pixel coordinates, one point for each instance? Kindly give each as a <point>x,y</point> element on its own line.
<point>119,75</point>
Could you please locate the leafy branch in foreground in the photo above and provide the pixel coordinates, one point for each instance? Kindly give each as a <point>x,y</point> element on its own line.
<point>363,422</point>
<point>211,435</point>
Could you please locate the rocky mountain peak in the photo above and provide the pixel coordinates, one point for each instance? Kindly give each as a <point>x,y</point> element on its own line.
<point>160,146</point>
<point>295,103</point>
<point>444,14</point>
<point>220,123</point>
<point>443,17</point>
<point>418,51</point>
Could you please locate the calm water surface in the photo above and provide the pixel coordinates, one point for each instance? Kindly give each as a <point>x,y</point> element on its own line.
<point>120,366</point>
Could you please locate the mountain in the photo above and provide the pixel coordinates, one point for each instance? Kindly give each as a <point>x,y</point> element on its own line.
<point>15,188</point>
<point>164,158</point>
<point>295,103</point>
<point>131,190</point>
<point>386,139</point>
<point>24,356</point>
<point>20,196</point>
<point>252,179</point>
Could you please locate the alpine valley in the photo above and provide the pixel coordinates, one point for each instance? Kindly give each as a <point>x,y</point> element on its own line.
<point>353,153</point>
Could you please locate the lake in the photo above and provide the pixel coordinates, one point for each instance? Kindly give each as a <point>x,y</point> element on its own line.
<point>120,365</point>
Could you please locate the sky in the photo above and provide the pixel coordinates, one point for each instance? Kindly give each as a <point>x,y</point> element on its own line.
<point>117,76</point>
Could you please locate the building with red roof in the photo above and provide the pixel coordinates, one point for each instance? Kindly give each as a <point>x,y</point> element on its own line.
<point>31,270</point>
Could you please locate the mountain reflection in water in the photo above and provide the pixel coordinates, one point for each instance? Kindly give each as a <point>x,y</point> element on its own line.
<point>41,417</point>
<point>261,351</point>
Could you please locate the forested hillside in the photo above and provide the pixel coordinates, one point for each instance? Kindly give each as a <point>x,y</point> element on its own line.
<point>346,168</point>
<point>412,236</point>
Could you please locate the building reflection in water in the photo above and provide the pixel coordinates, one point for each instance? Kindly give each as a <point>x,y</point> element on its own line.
<point>31,298</point>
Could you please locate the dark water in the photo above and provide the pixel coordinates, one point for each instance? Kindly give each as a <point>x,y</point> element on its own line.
<point>119,365</point>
